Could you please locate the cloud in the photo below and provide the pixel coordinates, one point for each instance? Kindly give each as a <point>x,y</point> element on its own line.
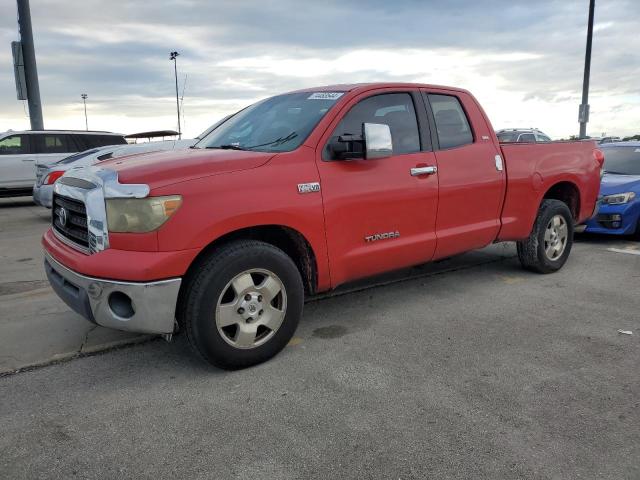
<point>522,60</point>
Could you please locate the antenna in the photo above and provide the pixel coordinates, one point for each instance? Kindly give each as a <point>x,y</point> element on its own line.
<point>184,87</point>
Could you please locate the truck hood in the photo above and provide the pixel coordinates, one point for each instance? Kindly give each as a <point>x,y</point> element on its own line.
<point>159,169</point>
<point>612,184</point>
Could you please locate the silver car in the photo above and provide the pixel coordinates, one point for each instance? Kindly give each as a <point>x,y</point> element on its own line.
<point>46,175</point>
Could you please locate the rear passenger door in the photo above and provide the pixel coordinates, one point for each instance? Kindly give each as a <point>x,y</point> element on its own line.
<point>471,177</point>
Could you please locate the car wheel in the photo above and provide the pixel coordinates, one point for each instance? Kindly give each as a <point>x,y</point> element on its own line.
<point>242,304</point>
<point>548,246</point>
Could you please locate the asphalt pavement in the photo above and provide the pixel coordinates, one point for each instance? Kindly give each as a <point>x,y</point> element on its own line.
<point>474,368</point>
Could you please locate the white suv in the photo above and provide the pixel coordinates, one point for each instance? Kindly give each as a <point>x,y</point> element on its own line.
<point>21,151</point>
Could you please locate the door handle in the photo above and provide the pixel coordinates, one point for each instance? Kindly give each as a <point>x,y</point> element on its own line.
<point>28,160</point>
<point>417,171</point>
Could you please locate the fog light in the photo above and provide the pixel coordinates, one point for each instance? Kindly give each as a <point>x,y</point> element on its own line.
<point>616,218</point>
<point>615,224</point>
<point>120,304</point>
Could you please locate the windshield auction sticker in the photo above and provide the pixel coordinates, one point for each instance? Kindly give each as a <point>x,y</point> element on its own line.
<point>325,96</point>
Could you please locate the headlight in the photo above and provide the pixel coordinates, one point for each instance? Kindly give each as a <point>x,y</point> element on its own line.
<point>139,215</point>
<point>619,198</point>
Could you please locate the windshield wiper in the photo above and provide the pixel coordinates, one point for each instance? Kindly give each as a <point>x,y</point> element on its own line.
<point>277,141</point>
<point>228,147</point>
<point>615,173</point>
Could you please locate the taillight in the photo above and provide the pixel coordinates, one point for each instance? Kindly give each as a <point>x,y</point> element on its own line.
<point>598,155</point>
<point>53,176</point>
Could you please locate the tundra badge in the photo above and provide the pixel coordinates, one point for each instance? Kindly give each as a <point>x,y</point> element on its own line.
<point>381,236</point>
<point>308,187</point>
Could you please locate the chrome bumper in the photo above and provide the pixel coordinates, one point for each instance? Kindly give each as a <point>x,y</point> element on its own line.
<point>131,306</point>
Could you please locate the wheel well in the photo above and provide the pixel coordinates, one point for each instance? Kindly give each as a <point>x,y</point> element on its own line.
<point>286,239</point>
<point>568,193</point>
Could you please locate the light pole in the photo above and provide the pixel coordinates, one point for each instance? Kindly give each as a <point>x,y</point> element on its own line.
<point>174,56</point>
<point>583,113</point>
<point>30,69</point>
<point>84,100</point>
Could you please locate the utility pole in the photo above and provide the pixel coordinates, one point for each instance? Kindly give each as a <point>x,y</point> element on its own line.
<point>174,56</point>
<point>583,113</point>
<point>30,69</point>
<point>84,100</point>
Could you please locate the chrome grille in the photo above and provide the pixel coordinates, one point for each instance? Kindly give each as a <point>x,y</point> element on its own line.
<point>69,219</point>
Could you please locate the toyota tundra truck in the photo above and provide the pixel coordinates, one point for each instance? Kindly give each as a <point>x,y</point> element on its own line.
<point>298,194</point>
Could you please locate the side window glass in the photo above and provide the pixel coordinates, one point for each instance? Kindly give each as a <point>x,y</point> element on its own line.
<point>527,137</point>
<point>81,143</point>
<point>393,109</point>
<point>52,143</point>
<point>543,138</point>
<point>14,145</point>
<point>452,124</point>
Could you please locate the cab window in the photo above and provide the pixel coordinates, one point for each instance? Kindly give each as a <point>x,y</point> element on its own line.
<point>393,109</point>
<point>452,124</point>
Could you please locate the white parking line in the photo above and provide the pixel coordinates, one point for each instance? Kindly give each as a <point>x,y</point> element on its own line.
<point>621,250</point>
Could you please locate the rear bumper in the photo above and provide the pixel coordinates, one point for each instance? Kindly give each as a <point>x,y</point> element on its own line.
<point>145,307</point>
<point>43,195</point>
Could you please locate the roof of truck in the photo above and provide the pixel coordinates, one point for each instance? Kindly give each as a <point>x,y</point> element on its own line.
<point>347,87</point>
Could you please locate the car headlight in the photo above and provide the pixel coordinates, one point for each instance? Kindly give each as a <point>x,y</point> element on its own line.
<point>139,215</point>
<point>619,198</point>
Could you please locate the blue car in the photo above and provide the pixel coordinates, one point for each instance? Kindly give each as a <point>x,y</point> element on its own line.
<point>619,212</point>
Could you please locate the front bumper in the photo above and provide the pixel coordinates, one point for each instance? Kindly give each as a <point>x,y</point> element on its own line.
<point>43,195</point>
<point>615,219</point>
<point>145,307</point>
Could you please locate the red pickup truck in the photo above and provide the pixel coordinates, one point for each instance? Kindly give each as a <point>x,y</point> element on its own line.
<point>298,194</point>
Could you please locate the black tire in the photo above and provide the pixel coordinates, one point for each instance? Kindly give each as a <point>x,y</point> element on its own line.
<point>636,235</point>
<point>531,252</point>
<point>205,286</point>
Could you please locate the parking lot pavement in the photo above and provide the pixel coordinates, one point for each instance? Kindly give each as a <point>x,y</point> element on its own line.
<point>484,371</point>
<point>35,326</point>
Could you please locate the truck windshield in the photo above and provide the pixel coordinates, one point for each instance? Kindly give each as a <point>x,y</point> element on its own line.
<point>277,124</point>
<point>622,160</point>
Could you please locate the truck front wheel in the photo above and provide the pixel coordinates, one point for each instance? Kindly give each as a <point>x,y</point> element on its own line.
<point>242,304</point>
<point>548,247</point>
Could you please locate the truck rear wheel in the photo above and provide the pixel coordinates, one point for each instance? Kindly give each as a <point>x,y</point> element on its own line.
<point>243,304</point>
<point>548,247</point>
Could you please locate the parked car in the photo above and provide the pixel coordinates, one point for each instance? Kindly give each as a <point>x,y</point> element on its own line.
<point>21,151</point>
<point>619,211</point>
<point>609,140</point>
<point>514,135</point>
<point>295,195</point>
<point>46,175</point>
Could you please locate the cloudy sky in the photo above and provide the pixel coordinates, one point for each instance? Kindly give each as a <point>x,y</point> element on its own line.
<point>522,59</point>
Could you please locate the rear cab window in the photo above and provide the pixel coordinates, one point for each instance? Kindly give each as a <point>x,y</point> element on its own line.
<point>452,125</point>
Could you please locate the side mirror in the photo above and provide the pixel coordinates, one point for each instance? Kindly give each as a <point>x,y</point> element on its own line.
<point>377,140</point>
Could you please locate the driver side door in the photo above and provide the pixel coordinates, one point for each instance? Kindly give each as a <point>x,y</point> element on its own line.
<point>380,215</point>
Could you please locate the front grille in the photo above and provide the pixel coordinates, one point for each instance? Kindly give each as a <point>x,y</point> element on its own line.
<point>75,228</point>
